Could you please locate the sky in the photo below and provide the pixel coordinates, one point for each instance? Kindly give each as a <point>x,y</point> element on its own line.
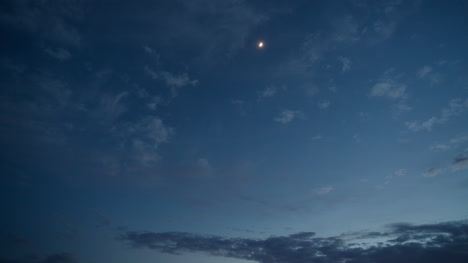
<point>160,131</point>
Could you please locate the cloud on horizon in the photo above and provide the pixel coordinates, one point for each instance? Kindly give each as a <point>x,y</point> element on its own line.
<point>442,242</point>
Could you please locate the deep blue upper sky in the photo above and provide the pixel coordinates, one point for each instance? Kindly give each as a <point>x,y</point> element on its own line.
<point>118,117</point>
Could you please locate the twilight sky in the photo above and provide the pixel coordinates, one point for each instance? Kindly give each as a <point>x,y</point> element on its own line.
<point>159,131</point>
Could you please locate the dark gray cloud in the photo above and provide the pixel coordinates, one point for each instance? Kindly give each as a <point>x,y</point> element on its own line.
<point>54,258</point>
<point>443,242</point>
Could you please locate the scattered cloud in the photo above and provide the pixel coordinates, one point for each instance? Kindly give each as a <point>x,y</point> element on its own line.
<point>401,172</point>
<point>346,63</point>
<point>460,163</point>
<point>439,147</point>
<point>144,137</point>
<point>173,81</point>
<point>51,21</point>
<point>154,102</point>
<point>455,108</point>
<point>432,172</point>
<point>270,91</point>
<point>317,137</point>
<point>204,166</point>
<point>459,140</point>
<point>59,53</point>
<point>389,89</point>
<point>148,50</point>
<point>427,73</point>
<point>324,105</point>
<point>322,190</point>
<point>424,72</point>
<point>398,243</point>
<point>54,258</point>
<point>287,116</point>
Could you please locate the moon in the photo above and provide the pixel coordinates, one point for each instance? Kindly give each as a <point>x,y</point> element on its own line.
<point>261,44</point>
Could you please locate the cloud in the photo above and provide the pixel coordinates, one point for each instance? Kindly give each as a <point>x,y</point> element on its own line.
<point>287,116</point>
<point>460,163</point>
<point>51,20</point>
<point>317,137</point>
<point>322,190</point>
<point>427,73</point>
<point>144,137</point>
<point>111,106</point>
<point>148,50</point>
<point>459,140</point>
<point>324,105</point>
<point>173,81</point>
<point>389,86</point>
<point>389,89</point>
<point>401,172</point>
<point>424,72</point>
<point>270,91</point>
<point>204,166</point>
<point>54,258</point>
<point>346,63</point>
<point>59,53</point>
<point>455,108</point>
<point>432,172</point>
<point>439,147</point>
<point>430,243</point>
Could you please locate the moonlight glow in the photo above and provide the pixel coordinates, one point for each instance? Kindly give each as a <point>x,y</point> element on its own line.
<point>260,44</point>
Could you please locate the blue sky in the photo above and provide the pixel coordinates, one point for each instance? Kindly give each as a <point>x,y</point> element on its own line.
<point>159,131</point>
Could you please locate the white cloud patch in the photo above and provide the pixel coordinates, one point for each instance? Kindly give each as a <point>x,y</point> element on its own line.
<point>173,81</point>
<point>401,172</point>
<point>455,108</point>
<point>317,137</point>
<point>322,190</point>
<point>145,137</point>
<point>424,72</point>
<point>287,116</point>
<point>324,105</point>
<point>389,89</point>
<point>270,91</point>
<point>439,147</point>
<point>204,166</point>
<point>427,73</point>
<point>346,63</point>
<point>459,140</point>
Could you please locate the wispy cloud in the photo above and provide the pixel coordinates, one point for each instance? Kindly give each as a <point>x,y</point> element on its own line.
<point>455,108</point>
<point>424,72</point>
<point>59,53</point>
<point>390,87</point>
<point>427,73</point>
<point>173,81</point>
<point>270,91</point>
<point>439,147</point>
<point>287,116</point>
<point>324,104</point>
<point>346,63</point>
<point>322,190</point>
<point>401,172</point>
